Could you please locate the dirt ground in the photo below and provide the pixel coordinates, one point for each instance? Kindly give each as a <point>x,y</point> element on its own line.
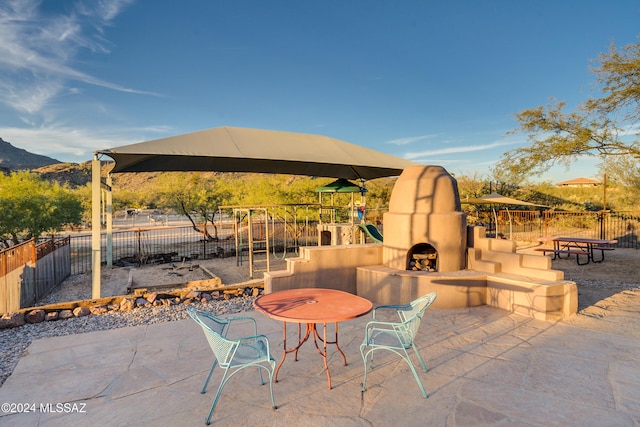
<point>115,281</point>
<point>612,283</point>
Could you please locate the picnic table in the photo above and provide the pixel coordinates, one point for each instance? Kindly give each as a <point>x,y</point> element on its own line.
<point>578,246</point>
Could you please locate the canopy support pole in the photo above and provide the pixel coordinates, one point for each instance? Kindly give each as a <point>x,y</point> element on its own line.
<point>95,227</point>
<point>109,220</point>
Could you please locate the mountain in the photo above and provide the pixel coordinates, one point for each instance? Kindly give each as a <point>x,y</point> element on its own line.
<point>71,174</point>
<point>14,158</point>
<point>79,174</point>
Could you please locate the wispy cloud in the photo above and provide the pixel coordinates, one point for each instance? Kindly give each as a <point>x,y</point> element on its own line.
<point>454,150</point>
<point>74,144</point>
<point>411,139</point>
<point>38,50</point>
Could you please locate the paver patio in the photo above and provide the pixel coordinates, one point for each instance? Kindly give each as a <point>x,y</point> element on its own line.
<point>486,367</point>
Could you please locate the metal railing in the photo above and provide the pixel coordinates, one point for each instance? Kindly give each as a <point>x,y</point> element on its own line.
<point>160,244</point>
<point>152,243</point>
<point>531,225</point>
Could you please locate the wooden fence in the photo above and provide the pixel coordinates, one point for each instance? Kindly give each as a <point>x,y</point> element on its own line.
<point>29,271</point>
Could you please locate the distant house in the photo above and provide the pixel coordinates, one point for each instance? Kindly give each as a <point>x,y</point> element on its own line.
<point>579,182</point>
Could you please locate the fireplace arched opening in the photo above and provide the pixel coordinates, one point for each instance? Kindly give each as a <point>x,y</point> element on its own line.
<point>422,257</point>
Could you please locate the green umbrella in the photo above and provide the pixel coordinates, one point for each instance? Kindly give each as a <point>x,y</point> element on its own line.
<point>342,186</point>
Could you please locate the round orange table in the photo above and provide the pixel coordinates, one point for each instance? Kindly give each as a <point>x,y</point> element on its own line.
<point>310,306</point>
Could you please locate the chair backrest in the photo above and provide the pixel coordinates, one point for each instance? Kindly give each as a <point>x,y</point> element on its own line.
<point>412,316</point>
<point>213,322</point>
<point>212,326</point>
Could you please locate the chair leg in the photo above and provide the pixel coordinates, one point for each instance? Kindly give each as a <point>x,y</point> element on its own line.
<point>415,350</point>
<point>216,398</point>
<point>368,365</point>
<point>260,373</point>
<point>206,382</point>
<point>405,358</point>
<point>413,370</point>
<point>415,374</point>
<point>271,371</point>
<point>364,360</point>
<point>370,352</point>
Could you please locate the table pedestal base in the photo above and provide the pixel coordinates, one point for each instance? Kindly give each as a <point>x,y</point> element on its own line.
<point>311,330</point>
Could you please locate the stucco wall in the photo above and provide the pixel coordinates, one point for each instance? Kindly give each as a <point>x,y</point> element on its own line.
<point>536,292</point>
<point>332,267</point>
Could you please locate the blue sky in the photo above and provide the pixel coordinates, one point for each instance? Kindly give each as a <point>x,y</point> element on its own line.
<point>437,82</point>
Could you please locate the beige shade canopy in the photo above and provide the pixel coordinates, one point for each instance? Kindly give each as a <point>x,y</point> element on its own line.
<point>232,149</point>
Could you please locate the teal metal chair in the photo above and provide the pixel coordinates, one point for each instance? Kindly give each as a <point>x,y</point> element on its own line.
<point>397,337</point>
<point>233,355</point>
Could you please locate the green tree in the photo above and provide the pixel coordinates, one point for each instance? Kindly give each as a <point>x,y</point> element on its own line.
<point>602,126</point>
<point>623,182</point>
<point>194,195</point>
<point>30,207</point>
<point>378,196</point>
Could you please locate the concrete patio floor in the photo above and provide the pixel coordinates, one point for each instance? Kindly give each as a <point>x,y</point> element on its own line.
<point>486,367</point>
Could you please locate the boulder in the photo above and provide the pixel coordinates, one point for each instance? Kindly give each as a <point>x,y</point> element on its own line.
<point>98,309</point>
<point>11,320</point>
<point>141,302</point>
<point>192,295</point>
<point>35,316</point>
<point>65,314</point>
<point>52,315</point>
<point>151,296</point>
<point>81,311</point>
<point>127,304</point>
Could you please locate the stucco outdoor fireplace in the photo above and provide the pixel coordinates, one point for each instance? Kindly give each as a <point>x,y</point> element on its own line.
<point>425,228</point>
<point>428,247</point>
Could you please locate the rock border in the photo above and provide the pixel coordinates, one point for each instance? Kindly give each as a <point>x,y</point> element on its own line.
<point>142,298</point>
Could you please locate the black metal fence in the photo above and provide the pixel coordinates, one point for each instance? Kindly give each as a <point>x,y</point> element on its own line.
<point>158,244</point>
<point>175,243</point>
<point>531,225</point>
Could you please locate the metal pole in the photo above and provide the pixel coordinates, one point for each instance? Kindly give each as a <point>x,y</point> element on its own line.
<point>604,203</point>
<point>95,227</point>
<point>250,243</point>
<point>604,207</point>
<point>109,222</point>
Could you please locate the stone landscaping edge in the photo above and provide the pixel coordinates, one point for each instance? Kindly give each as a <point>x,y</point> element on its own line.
<point>142,297</point>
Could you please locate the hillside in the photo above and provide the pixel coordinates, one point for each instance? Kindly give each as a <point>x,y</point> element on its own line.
<point>78,175</point>
<point>72,174</point>
<point>13,158</point>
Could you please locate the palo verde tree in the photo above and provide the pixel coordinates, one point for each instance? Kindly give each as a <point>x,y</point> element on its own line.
<point>31,207</point>
<point>194,195</point>
<point>604,126</point>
